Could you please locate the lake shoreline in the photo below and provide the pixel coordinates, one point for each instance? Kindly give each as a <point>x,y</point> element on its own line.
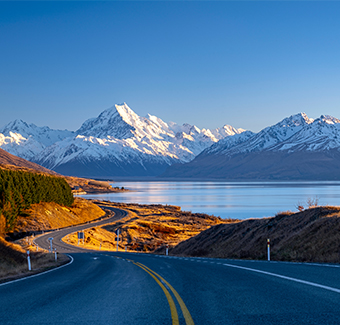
<point>239,200</point>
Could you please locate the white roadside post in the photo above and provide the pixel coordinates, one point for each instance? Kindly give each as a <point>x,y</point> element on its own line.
<point>117,238</point>
<point>167,250</point>
<point>268,249</point>
<point>55,254</point>
<point>29,260</point>
<point>51,248</point>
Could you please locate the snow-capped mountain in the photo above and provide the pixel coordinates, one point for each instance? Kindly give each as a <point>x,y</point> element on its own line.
<point>320,135</point>
<point>28,140</point>
<point>117,142</point>
<point>265,139</point>
<point>121,143</point>
<point>298,147</point>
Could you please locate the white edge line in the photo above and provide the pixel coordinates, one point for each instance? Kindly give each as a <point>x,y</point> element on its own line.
<point>35,275</point>
<point>286,278</point>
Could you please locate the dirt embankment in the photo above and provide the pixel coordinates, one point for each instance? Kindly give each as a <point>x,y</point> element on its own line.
<point>312,235</point>
<point>148,228</point>
<point>46,216</point>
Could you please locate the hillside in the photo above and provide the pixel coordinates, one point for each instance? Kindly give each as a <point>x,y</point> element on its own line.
<point>147,228</point>
<point>312,235</point>
<point>49,215</point>
<point>41,217</point>
<point>12,162</point>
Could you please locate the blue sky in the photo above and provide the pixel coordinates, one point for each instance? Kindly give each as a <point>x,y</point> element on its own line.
<point>247,64</point>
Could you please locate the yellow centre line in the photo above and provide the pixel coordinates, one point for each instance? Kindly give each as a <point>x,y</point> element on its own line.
<point>174,314</point>
<point>185,311</point>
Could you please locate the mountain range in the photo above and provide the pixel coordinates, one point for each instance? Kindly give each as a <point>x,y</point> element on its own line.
<point>116,143</point>
<point>121,143</point>
<point>297,148</point>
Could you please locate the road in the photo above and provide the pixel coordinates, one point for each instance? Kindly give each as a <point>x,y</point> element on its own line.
<point>61,247</point>
<point>129,288</point>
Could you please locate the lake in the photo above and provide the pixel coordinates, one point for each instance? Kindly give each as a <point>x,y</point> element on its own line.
<point>239,200</point>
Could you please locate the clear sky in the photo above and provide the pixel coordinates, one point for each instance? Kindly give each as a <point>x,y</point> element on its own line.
<point>247,64</point>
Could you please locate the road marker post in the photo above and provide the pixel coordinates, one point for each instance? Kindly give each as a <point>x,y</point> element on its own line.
<point>167,250</point>
<point>29,261</point>
<point>80,236</point>
<point>51,248</point>
<point>55,254</point>
<point>117,238</point>
<point>268,249</point>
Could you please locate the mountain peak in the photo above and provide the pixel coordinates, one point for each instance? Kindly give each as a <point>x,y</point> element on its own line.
<point>127,114</point>
<point>17,125</point>
<point>328,119</point>
<point>299,119</point>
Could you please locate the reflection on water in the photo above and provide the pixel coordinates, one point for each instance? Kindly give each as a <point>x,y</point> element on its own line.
<point>228,199</point>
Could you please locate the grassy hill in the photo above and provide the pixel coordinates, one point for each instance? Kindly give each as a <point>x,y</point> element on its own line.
<point>312,235</point>
<point>147,228</point>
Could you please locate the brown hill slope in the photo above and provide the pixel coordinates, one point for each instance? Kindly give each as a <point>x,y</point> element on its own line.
<point>10,161</point>
<point>312,235</point>
<point>42,216</point>
<point>148,228</point>
<point>46,216</point>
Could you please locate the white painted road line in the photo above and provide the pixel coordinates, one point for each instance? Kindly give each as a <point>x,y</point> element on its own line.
<point>286,278</point>
<point>38,274</point>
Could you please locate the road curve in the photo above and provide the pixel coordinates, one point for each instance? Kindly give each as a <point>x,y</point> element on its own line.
<point>42,241</point>
<point>129,288</point>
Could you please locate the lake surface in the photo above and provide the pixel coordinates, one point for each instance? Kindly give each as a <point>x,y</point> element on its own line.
<point>239,200</point>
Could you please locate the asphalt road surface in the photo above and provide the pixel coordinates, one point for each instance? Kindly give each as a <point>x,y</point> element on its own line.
<point>128,288</point>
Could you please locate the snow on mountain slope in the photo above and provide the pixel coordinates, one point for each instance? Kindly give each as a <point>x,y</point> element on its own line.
<point>17,145</point>
<point>322,134</point>
<point>119,136</point>
<point>28,140</point>
<point>265,139</point>
<point>44,135</point>
<point>224,145</point>
<point>297,148</point>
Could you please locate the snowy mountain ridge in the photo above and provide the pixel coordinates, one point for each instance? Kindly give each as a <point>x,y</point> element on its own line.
<point>119,142</point>
<point>117,136</point>
<point>296,148</point>
<point>297,132</point>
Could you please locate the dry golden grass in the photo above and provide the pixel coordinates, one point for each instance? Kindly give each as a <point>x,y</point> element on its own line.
<point>312,235</point>
<point>147,228</point>
<point>45,216</point>
<point>13,260</point>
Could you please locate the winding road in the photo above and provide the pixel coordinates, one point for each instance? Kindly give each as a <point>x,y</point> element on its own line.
<point>99,287</point>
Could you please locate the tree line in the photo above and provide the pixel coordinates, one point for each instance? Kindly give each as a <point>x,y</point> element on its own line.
<point>18,190</point>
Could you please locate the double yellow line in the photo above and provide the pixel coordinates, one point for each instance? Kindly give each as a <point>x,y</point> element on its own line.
<point>173,309</point>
